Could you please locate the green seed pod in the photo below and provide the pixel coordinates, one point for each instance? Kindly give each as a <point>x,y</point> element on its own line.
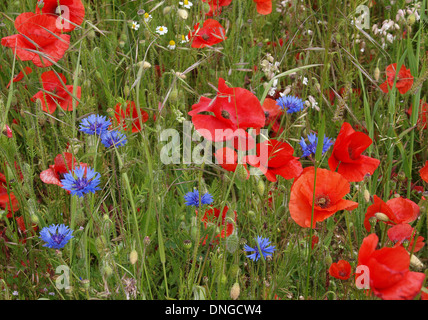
<point>91,34</point>
<point>173,96</point>
<point>187,244</point>
<point>241,172</point>
<point>261,187</point>
<point>232,242</point>
<point>234,270</point>
<point>100,243</point>
<point>107,270</point>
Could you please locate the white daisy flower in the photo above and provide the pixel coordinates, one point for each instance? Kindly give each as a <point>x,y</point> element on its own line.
<point>147,17</point>
<point>305,81</point>
<point>186,4</point>
<point>184,39</point>
<point>161,30</point>
<point>171,45</point>
<point>135,26</point>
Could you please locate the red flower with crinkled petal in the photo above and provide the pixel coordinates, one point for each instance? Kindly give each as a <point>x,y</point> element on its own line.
<point>389,276</point>
<point>20,76</point>
<point>228,115</point>
<point>398,210</point>
<point>404,79</point>
<point>38,39</point>
<point>210,34</point>
<point>63,163</point>
<point>55,92</point>
<point>273,114</point>
<point>404,232</point>
<point>264,6</point>
<point>212,217</point>
<point>130,114</point>
<point>69,12</point>
<point>347,156</point>
<point>8,200</point>
<point>216,6</point>
<point>330,189</point>
<point>340,270</point>
<point>422,117</point>
<point>275,158</point>
<point>424,172</point>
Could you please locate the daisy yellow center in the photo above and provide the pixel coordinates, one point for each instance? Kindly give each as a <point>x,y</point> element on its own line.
<point>146,15</point>
<point>186,2</point>
<point>172,43</point>
<point>160,29</point>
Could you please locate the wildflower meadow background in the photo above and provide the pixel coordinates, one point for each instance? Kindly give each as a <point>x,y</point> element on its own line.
<point>213,149</point>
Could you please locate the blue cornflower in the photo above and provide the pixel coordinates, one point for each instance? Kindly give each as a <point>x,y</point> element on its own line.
<point>311,148</point>
<point>94,124</point>
<point>291,103</point>
<point>266,250</point>
<point>192,198</point>
<point>79,183</point>
<point>113,138</point>
<point>56,236</point>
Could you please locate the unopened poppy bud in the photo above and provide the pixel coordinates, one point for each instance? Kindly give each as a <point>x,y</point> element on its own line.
<point>328,259</point>
<point>34,219</point>
<point>107,270</point>
<point>91,34</point>
<point>411,19</point>
<point>235,291</point>
<point>377,74</point>
<point>122,44</point>
<point>234,269</point>
<point>206,7</point>
<point>415,262</point>
<point>241,172</point>
<point>126,91</point>
<point>232,242</point>
<point>100,243</point>
<point>252,214</point>
<point>174,95</point>
<point>166,10</point>
<point>401,176</point>
<point>133,256</point>
<point>261,187</point>
<point>223,279</point>
<point>182,14</point>
<point>381,216</point>
<point>366,195</point>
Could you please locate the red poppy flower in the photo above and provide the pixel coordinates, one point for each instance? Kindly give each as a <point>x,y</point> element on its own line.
<point>275,158</point>
<point>130,114</point>
<point>264,6</point>
<point>72,13</point>
<point>63,163</point>
<point>21,226</point>
<point>389,275</point>
<point>424,294</point>
<point>38,39</point>
<point>20,76</point>
<point>347,154</point>
<point>7,131</point>
<point>404,232</point>
<point>340,270</point>
<point>232,112</point>
<point>8,200</point>
<point>424,172</point>
<point>227,158</point>
<point>56,92</point>
<point>422,117</point>
<point>404,79</point>
<point>216,6</point>
<point>398,210</point>
<point>330,189</point>
<point>273,113</point>
<point>210,34</point>
<point>212,217</point>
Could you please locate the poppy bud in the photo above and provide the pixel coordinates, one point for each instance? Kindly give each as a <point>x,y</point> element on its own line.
<point>241,172</point>
<point>328,259</point>
<point>34,219</point>
<point>366,195</point>
<point>121,44</point>
<point>401,176</point>
<point>411,19</point>
<point>126,91</point>
<point>252,215</point>
<point>381,216</point>
<point>166,10</point>
<point>415,262</point>
<point>133,256</point>
<point>261,187</point>
<point>234,269</point>
<point>223,279</point>
<point>206,7</point>
<point>232,242</point>
<point>100,243</point>
<point>107,270</point>
<point>377,74</point>
<point>182,14</point>
<point>91,34</point>
<point>174,95</point>
<point>235,291</point>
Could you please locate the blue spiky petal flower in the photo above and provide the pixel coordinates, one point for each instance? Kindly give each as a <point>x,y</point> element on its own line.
<point>266,250</point>
<point>192,198</point>
<point>311,148</point>
<point>81,180</point>
<point>56,236</point>
<point>291,103</point>
<point>113,138</point>
<point>94,124</point>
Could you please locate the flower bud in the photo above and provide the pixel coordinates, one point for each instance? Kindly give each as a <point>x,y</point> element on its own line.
<point>381,216</point>
<point>235,291</point>
<point>241,172</point>
<point>415,262</point>
<point>107,270</point>
<point>182,14</point>
<point>34,219</point>
<point>133,256</point>
<point>166,10</point>
<point>377,74</point>
<point>261,187</point>
<point>366,195</point>
<point>187,244</point>
<point>411,19</point>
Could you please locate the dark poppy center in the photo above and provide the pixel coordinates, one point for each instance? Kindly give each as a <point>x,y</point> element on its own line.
<point>322,201</point>
<point>342,273</point>
<point>205,37</point>
<point>351,153</point>
<point>225,114</point>
<point>267,115</point>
